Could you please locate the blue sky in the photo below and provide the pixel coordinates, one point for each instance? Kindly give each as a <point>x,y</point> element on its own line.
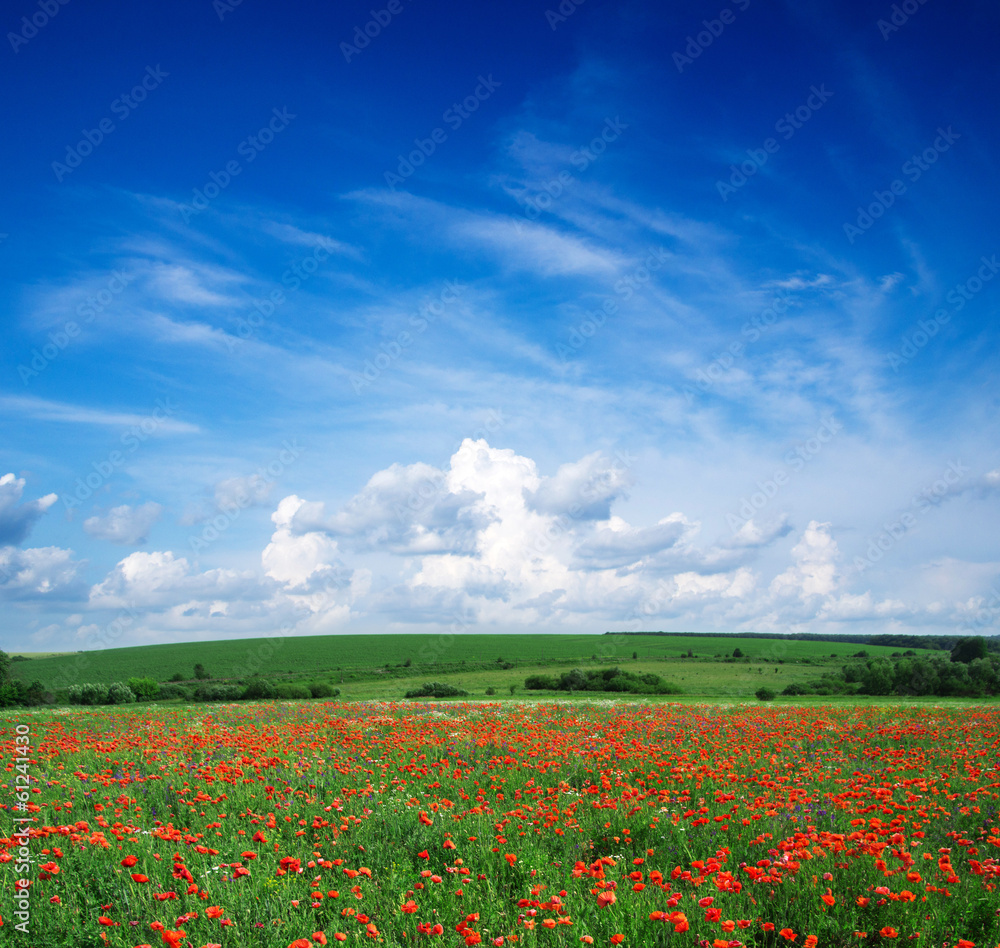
<point>495,317</point>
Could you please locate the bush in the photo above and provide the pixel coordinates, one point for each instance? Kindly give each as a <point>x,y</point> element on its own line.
<point>218,693</point>
<point>88,694</point>
<point>320,689</point>
<point>144,689</point>
<point>120,693</point>
<point>792,689</point>
<point>540,683</point>
<point>765,694</point>
<point>285,692</point>
<point>169,691</point>
<point>436,689</point>
<point>258,689</point>
<point>490,692</point>
<point>177,676</point>
<point>200,672</point>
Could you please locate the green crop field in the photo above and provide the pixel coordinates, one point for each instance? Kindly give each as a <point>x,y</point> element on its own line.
<point>388,664</point>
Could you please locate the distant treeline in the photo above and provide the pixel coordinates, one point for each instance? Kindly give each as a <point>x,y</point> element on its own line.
<point>941,642</point>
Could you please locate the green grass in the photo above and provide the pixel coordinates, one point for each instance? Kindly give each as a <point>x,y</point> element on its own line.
<point>372,657</point>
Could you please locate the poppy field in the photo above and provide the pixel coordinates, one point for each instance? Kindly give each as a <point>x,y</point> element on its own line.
<point>294,826</point>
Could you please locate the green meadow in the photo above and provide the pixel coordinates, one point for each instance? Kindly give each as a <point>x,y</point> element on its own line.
<point>386,666</point>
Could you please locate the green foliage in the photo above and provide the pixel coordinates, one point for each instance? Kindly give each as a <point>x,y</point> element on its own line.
<point>200,672</point>
<point>969,649</point>
<point>144,689</point>
<point>171,691</point>
<point>18,694</point>
<point>737,653</point>
<point>765,694</point>
<point>120,693</point>
<point>258,689</point>
<point>436,689</point>
<point>218,693</point>
<point>602,679</point>
<point>320,689</point>
<point>291,692</point>
<point>177,676</point>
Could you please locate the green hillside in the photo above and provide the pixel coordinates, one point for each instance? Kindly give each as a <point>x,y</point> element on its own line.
<point>374,657</point>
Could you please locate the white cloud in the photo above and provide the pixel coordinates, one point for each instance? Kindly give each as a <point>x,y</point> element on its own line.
<point>44,410</point>
<point>160,579</point>
<point>814,572</point>
<point>40,573</point>
<point>583,489</point>
<point>17,519</point>
<point>127,525</point>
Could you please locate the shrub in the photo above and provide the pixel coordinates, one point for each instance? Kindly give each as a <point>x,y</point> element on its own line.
<point>436,689</point>
<point>258,689</point>
<point>218,693</point>
<point>177,676</point>
<point>88,694</point>
<point>144,689</point>
<point>286,692</point>
<point>120,693</point>
<point>169,691</point>
<point>765,694</point>
<point>490,692</point>
<point>320,689</point>
<point>200,672</point>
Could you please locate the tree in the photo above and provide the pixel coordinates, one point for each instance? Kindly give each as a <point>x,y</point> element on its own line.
<point>200,672</point>
<point>737,653</point>
<point>969,649</point>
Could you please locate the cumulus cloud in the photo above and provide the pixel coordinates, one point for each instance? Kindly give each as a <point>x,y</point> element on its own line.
<point>301,561</point>
<point>583,489</point>
<point>814,572</point>
<point>617,544</point>
<point>157,579</point>
<point>127,525</point>
<point>41,573</point>
<point>16,518</point>
<point>407,509</point>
